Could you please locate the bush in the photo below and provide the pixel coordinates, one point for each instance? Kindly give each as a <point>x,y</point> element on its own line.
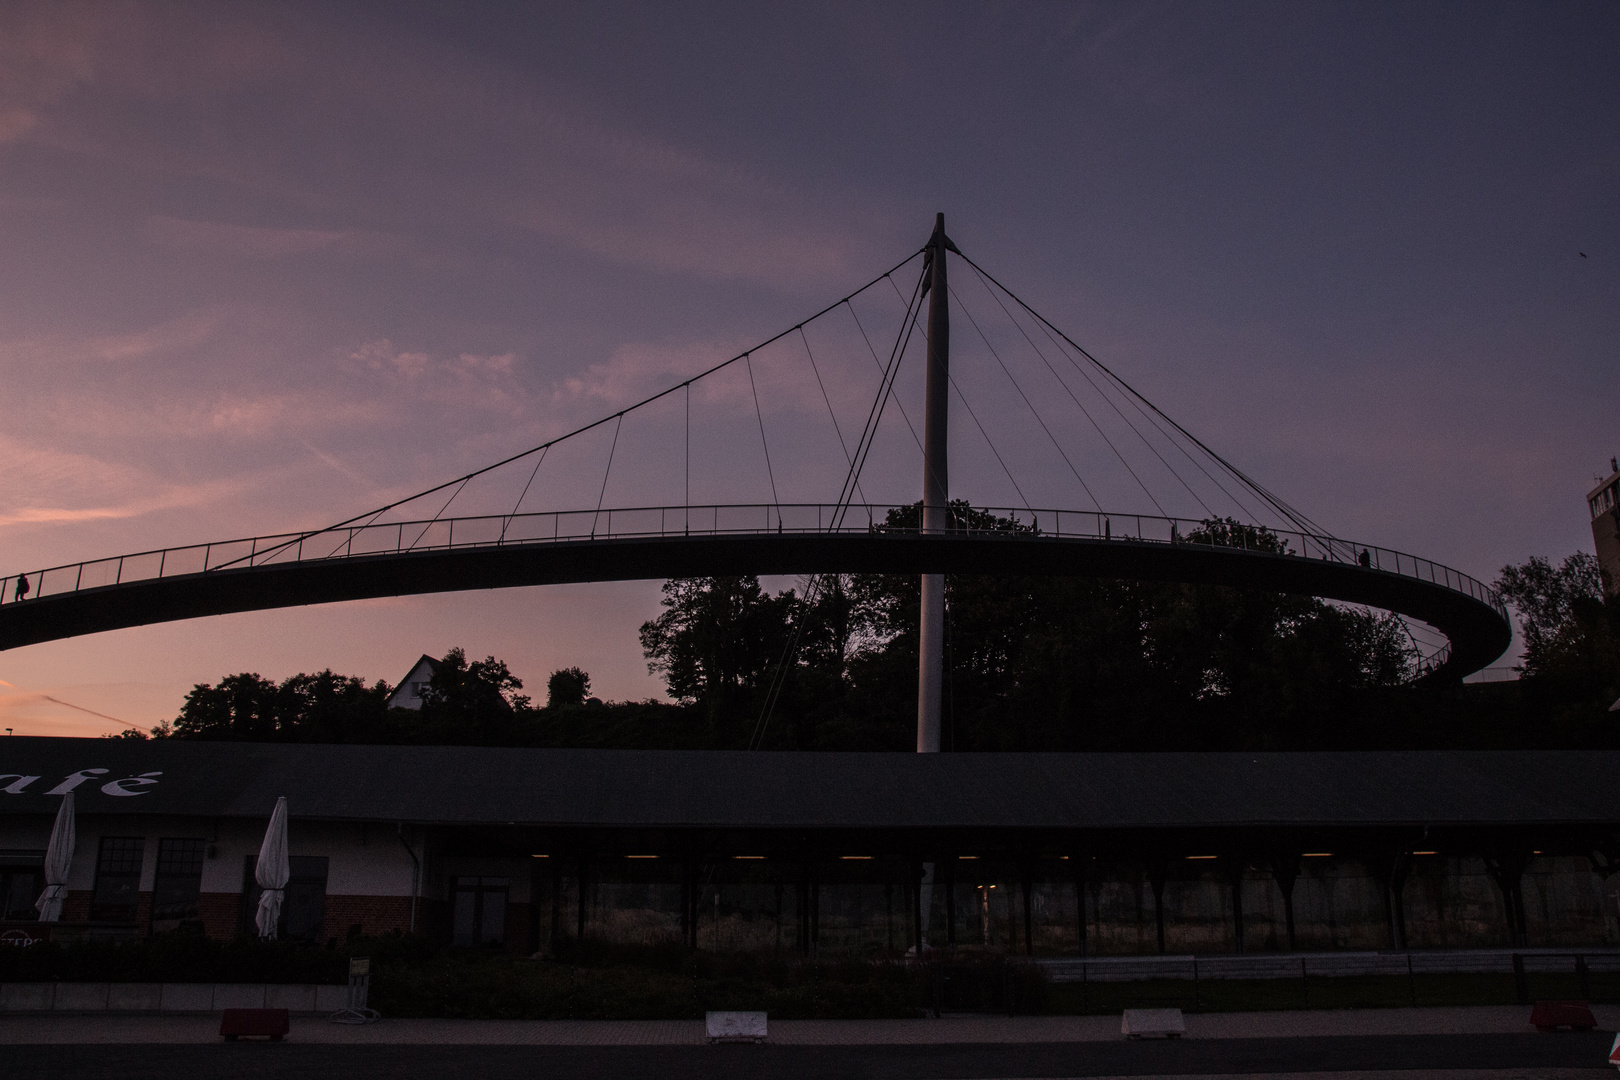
<point>175,958</point>
<point>610,982</point>
<point>590,980</point>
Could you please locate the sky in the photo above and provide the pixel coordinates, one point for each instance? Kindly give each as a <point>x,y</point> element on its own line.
<point>264,267</point>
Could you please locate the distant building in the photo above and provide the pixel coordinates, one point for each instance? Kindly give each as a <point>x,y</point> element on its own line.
<point>1604,502</point>
<point>408,694</point>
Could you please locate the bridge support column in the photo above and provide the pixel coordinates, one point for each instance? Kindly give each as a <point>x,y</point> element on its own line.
<point>936,496</point>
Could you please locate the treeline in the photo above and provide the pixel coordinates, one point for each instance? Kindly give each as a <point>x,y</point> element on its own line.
<point>467,703</point>
<point>1033,663</point>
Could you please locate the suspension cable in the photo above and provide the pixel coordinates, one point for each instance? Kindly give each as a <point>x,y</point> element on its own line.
<point>524,494</point>
<point>897,402</point>
<point>843,446</point>
<point>1086,412</point>
<point>373,514</point>
<point>1298,519</point>
<point>748,364</point>
<point>434,519</point>
<point>1021,497</point>
<point>605,474</point>
<point>875,414</point>
<point>1036,414</point>
<point>812,588</point>
<point>1180,446</point>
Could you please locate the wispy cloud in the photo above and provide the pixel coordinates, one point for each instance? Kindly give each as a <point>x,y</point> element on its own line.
<point>602,187</point>
<point>249,241</point>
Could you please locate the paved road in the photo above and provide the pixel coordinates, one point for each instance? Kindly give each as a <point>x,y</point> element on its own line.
<point>1497,1055</point>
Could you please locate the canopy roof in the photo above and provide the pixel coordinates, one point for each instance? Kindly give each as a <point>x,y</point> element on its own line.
<point>675,789</point>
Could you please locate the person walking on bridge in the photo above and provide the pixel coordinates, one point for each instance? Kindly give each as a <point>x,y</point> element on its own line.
<point>22,587</point>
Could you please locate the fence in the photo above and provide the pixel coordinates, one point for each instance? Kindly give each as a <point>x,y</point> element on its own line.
<point>397,538</point>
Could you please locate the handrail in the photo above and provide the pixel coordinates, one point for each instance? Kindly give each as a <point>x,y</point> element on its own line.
<point>564,526</point>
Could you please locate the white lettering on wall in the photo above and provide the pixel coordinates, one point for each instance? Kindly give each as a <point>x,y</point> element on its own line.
<point>129,785</point>
<point>74,781</point>
<point>122,787</point>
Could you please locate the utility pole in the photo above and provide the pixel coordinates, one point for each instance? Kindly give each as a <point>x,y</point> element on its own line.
<point>936,494</point>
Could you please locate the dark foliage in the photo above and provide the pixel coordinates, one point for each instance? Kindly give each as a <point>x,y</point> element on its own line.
<point>185,958</point>
<point>1571,636</point>
<point>1032,663</point>
<point>324,707</point>
<point>568,686</point>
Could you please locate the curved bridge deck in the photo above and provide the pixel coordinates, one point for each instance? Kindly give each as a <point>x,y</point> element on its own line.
<point>401,558</point>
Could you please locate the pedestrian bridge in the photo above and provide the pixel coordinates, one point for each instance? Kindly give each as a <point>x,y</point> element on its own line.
<point>504,551</point>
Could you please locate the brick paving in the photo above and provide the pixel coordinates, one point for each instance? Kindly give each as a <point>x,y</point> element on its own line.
<point>104,1028</point>
<point>1397,1057</point>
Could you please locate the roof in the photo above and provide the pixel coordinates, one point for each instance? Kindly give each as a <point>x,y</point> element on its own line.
<point>488,785</point>
<point>404,690</point>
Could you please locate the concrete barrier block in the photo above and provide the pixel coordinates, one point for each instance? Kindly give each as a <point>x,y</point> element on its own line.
<point>291,998</point>
<point>27,997</point>
<point>135,997</point>
<point>329,999</point>
<point>1152,1024</point>
<point>735,1026</point>
<point>81,997</point>
<point>238,996</point>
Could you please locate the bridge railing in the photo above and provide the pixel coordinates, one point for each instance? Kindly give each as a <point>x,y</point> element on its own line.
<point>626,523</point>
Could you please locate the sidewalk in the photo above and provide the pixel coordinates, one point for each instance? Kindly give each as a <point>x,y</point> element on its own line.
<point>67,1029</point>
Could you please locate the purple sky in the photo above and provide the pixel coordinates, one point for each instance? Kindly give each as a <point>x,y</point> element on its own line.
<point>268,266</point>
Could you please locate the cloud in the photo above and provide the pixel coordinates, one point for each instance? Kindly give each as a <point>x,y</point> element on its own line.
<point>247,241</point>
<point>466,380</point>
<point>53,352</point>
<point>164,497</point>
<point>106,87</point>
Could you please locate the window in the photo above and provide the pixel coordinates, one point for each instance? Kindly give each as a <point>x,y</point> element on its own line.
<point>303,902</point>
<point>178,883</point>
<point>478,909</point>
<point>118,879</point>
<point>22,879</point>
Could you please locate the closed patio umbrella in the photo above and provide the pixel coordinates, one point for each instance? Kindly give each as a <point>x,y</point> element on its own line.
<point>272,871</point>
<point>58,861</point>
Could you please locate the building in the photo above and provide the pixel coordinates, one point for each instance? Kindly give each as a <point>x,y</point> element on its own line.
<point>408,694</point>
<point>826,853</point>
<point>1604,503</point>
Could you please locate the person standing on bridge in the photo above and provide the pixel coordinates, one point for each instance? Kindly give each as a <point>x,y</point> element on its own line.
<point>22,587</point>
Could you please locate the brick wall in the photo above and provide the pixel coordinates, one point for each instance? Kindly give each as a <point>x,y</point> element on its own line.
<point>76,906</point>
<point>221,914</point>
<point>373,914</point>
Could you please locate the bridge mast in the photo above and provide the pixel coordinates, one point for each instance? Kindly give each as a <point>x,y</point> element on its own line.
<point>936,494</point>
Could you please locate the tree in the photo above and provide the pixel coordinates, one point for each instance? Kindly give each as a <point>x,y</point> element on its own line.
<point>567,686</point>
<point>1571,637</point>
<point>716,641</point>
<point>476,704</point>
<point>323,707</point>
<point>1054,663</point>
<point>1546,598</point>
<point>241,707</point>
